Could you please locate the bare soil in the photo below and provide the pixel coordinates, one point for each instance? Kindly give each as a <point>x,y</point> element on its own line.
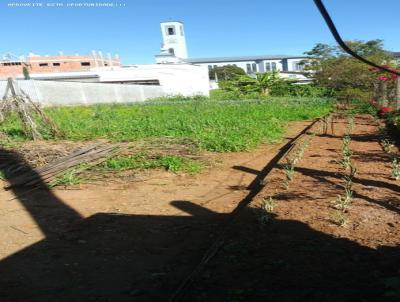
<point>136,237</point>
<point>302,254</point>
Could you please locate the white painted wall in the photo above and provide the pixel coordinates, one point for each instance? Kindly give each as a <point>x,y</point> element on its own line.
<point>53,93</point>
<point>175,79</point>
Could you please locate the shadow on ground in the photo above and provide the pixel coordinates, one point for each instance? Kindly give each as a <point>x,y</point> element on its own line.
<point>114,257</point>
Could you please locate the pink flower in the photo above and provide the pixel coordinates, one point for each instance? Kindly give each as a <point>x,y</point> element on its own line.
<point>383,78</point>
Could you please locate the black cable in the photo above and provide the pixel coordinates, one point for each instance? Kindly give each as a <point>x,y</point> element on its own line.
<point>342,44</point>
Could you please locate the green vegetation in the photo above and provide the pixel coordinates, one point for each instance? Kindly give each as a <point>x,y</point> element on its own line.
<point>265,85</point>
<point>69,178</point>
<point>347,77</point>
<point>171,163</point>
<point>210,125</point>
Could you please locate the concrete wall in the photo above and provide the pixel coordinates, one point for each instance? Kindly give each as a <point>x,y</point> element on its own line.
<point>52,93</point>
<point>175,79</point>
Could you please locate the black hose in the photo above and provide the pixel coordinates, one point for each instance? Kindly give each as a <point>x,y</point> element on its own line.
<point>340,41</point>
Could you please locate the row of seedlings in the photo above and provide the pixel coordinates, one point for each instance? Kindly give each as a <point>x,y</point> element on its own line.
<point>389,147</point>
<point>268,203</point>
<point>343,201</point>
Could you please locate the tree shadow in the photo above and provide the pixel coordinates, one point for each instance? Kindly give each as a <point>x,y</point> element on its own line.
<point>117,257</point>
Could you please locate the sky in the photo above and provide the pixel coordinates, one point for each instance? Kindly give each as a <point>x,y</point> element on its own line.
<point>213,27</point>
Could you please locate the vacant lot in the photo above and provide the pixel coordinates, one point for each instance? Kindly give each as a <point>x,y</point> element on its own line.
<point>128,233</point>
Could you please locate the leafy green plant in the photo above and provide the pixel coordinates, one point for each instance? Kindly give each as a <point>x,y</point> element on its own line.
<point>142,161</point>
<point>396,168</point>
<point>289,171</point>
<point>345,161</point>
<point>265,211</point>
<point>340,218</point>
<point>219,126</point>
<point>268,204</point>
<point>388,145</point>
<point>350,124</point>
<point>342,202</point>
<point>69,178</point>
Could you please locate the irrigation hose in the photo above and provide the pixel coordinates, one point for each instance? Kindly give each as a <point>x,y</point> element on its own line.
<point>339,40</point>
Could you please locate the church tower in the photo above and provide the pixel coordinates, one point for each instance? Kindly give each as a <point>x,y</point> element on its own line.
<point>174,40</point>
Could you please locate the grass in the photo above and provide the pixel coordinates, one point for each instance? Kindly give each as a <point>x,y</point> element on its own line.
<point>141,161</point>
<point>69,178</point>
<point>221,126</point>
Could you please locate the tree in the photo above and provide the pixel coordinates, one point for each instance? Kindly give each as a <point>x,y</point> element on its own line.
<point>335,69</point>
<point>226,73</point>
<point>262,83</point>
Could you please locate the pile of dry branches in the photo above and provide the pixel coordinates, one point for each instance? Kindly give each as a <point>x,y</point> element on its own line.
<point>17,101</point>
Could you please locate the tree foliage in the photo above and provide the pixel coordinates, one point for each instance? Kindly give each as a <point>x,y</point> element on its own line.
<point>226,73</point>
<point>243,84</point>
<point>335,69</point>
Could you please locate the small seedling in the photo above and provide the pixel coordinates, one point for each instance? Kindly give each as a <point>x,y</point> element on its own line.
<point>342,202</point>
<point>289,171</point>
<point>388,145</point>
<point>348,184</point>
<point>345,162</point>
<point>351,124</point>
<point>265,210</point>
<point>340,218</point>
<point>396,168</point>
<point>268,204</point>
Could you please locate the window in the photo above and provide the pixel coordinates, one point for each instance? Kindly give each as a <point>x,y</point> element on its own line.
<point>171,51</point>
<point>215,66</point>
<point>248,68</point>
<point>56,64</point>
<point>273,66</point>
<point>297,66</point>
<point>254,67</point>
<point>267,66</point>
<point>171,30</point>
<point>181,28</point>
<point>43,64</point>
<point>85,63</point>
<point>210,67</point>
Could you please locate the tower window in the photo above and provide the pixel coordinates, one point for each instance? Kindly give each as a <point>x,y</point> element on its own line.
<point>171,51</point>
<point>171,31</point>
<point>181,28</point>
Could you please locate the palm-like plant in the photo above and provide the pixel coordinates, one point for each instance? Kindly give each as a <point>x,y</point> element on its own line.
<point>264,81</point>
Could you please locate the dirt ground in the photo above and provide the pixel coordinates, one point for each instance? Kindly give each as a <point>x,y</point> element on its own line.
<point>302,254</point>
<point>136,239</point>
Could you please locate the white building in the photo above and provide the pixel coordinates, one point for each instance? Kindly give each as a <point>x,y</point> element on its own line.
<point>174,79</point>
<point>288,66</point>
<point>174,50</point>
